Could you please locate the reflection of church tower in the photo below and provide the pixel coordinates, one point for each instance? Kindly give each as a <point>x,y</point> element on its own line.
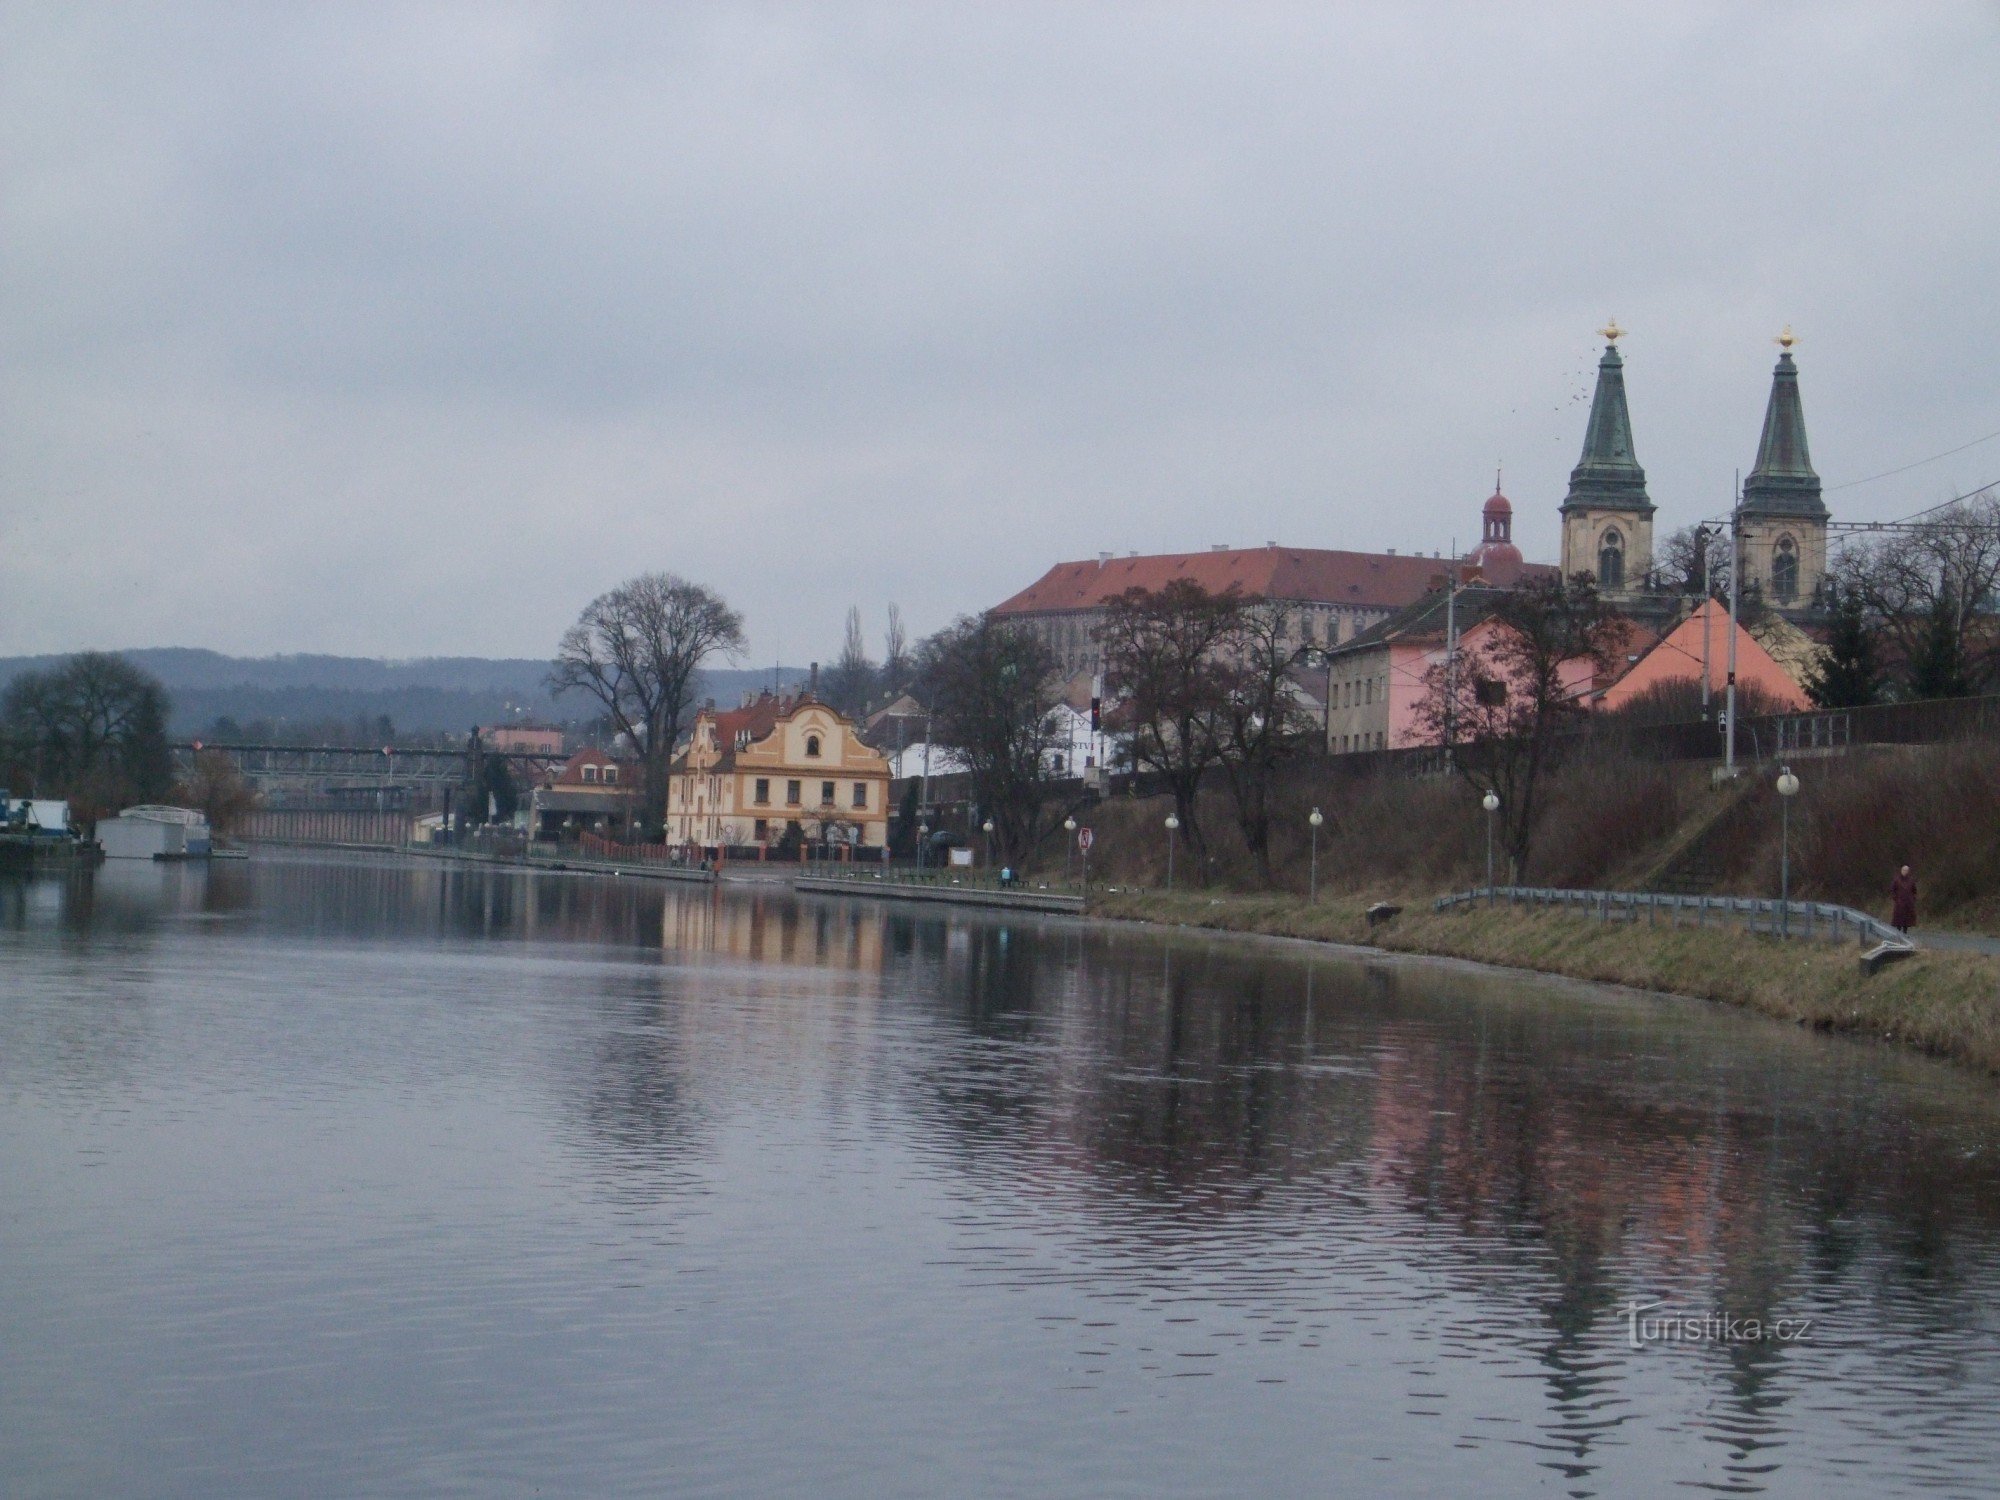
<point>1607,516</point>
<point>1783,518</point>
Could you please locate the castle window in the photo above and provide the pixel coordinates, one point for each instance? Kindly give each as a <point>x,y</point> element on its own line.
<point>1611,561</point>
<point>812,746</point>
<point>1785,569</point>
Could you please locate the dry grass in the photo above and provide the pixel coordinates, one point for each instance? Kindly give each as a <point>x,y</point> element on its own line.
<point>1943,1003</point>
<point>1605,822</point>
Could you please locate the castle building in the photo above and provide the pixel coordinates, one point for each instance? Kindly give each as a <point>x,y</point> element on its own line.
<point>1607,517</point>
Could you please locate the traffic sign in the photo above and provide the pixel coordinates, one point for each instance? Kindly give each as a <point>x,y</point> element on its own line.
<point>1084,839</point>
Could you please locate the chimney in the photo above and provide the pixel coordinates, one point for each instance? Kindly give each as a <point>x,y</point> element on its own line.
<point>1103,558</point>
<point>1392,551</point>
<point>812,683</point>
<point>1218,546</point>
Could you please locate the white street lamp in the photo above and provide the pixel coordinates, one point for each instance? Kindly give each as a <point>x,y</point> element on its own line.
<point>1173,827</point>
<point>1069,847</point>
<point>987,829</point>
<point>1315,818</point>
<point>1491,802</point>
<point>923,841</point>
<point>1788,788</point>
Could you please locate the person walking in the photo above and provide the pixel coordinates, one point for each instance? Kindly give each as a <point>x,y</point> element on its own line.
<point>1903,899</point>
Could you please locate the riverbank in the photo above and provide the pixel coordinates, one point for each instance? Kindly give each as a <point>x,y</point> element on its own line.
<point>1947,1004</point>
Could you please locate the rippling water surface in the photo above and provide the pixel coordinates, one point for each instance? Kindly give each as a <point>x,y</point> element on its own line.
<point>326,1176</point>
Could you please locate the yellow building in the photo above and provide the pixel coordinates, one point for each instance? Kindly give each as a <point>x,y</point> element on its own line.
<point>750,774</point>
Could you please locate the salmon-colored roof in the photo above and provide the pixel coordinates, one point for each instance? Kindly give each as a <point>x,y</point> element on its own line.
<point>1678,657</point>
<point>1369,579</point>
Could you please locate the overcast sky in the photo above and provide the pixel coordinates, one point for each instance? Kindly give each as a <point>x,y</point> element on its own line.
<point>406,331</point>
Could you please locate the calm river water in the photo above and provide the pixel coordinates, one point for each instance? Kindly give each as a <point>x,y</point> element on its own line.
<point>347,1176</point>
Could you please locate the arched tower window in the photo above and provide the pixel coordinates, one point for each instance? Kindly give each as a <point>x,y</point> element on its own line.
<point>812,745</point>
<point>1611,561</point>
<point>1785,569</point>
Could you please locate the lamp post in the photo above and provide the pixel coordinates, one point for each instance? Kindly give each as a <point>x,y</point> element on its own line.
<point>1069,847</point>
<point>1173,827</point>
<point>987,829</point>
<point>1491,802</point>
<point>1312,880</point>
<point>923,841</point>
<point>1788,788</point>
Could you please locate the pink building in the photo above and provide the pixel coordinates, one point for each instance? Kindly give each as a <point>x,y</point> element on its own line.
<point>1377,683</point>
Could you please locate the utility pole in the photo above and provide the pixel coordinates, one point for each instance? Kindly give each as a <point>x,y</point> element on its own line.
<point>1735,597</point>
<point>1701,541</point>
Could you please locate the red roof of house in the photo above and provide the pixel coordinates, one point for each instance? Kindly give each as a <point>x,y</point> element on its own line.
<point>572,771</point>
<point>756,718</point>
<point>1369,579</point>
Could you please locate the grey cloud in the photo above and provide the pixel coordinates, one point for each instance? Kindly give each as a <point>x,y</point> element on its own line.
<point>408,329</point>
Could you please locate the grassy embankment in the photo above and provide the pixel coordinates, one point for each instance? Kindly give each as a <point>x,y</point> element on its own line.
<point>1611,821</point>
<point>1943,1003</point>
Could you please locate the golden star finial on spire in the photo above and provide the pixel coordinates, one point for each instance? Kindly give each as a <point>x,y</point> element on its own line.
<point>1612,332</point>
<point>1786,339</point>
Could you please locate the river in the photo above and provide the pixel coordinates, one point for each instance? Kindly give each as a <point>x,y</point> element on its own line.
<point>342,1175</point>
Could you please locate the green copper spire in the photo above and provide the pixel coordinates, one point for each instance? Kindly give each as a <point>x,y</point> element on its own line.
<point>1608,477</point>
<point>1783,483</point>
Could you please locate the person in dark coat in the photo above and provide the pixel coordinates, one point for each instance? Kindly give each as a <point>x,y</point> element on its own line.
<point>1903,896</point>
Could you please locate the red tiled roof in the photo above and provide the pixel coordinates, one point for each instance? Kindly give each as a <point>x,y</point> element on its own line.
<point>1368,579</point>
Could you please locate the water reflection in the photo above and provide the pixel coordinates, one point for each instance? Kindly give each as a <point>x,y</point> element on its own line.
<point>1380,1212</point>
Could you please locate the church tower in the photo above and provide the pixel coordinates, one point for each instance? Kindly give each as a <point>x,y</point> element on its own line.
<point>1782,517</point>
<point>1607,516</point>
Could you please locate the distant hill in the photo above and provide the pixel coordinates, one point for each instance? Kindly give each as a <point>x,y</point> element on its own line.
<point>426,695</point>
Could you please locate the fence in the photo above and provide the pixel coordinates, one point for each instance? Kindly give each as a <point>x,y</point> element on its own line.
<point>1800,919</point>
<point>282,825</point>
<point>676,856</point>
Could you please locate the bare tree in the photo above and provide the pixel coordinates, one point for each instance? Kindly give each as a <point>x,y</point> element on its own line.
<point>993,689</point>
<point>1162,659</point>
<point>895,652</point>
<point>1928,587</point>
<point>93,730</point>
<point>849,683</point>
<point>1694,560</point>
<point>1514,688</point>
<point>637,650</point>
<point>215,785</point>
<point>1263,721</point>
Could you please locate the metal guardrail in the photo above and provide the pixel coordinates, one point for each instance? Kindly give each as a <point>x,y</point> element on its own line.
<point>1801,919</point>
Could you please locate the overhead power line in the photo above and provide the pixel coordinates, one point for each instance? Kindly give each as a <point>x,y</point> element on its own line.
<point>1891,473</point>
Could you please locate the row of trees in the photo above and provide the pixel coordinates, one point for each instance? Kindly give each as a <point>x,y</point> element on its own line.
<point>1200,682</point>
